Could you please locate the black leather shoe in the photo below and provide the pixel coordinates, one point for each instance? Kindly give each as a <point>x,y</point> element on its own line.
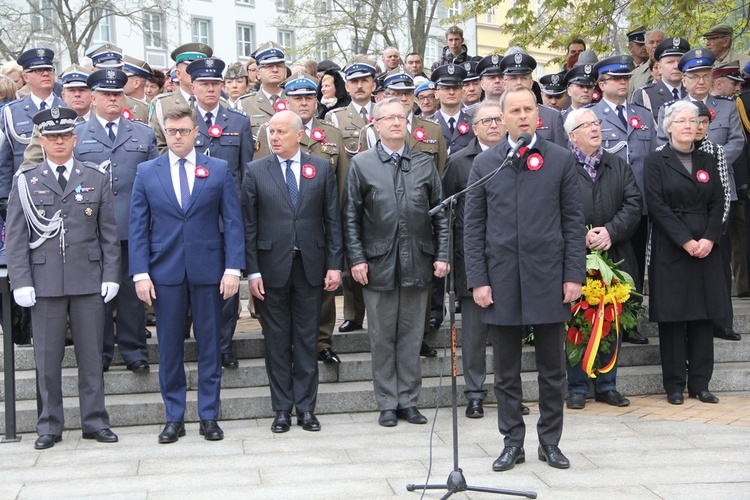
<point>328,356</point>
<point>457,306</point>
<point>411,415</point>
<point>704,396</point>
<point>576,401</point>
<point>508,459</point>
<point>147,333</point>
<point>150,319</point>
<point>388,418</point>
<point>282,422</point>
<point>634,337</point>
<point>139,367</point>
<point>427,351</point>
<point>308,421</point>
<point>435,323</point>
<point>675,398</point>
<point>172,432</point>
<point>553,456</point>
<point>612,398</point>
<point>101,436</point>
<point>525,410</point>
<point>726,334</point>
<point>46,441</point>
<point>229,360</point>
<point>210,430</point>
<point>350,326</point>
<point>474,408</point>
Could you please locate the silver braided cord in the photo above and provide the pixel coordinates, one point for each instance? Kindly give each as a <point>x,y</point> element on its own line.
<point>38,224</point>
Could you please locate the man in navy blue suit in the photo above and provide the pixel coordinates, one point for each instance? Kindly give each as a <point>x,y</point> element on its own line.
<point>180,259</point>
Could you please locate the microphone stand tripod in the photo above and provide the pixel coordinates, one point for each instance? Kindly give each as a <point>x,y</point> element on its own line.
<point>456,481</point>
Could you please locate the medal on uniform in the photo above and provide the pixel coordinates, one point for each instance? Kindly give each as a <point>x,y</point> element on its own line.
<point>215,131</point>
<point>78,189</point>
<point>89,212</point>
<point>702,176</point>
<point>318,135</point>
<point>34,180</point>
<point>280,105</point>
<point>534,161</point>
<point>308,171</point>
<point>463,128</point>
<point>79,197</point>
<point>127,114</point>
<point>420,134</point>
<point>201,172</point>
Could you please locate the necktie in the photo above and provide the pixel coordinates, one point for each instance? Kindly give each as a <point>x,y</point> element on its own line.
<point>621,114</point>
<point>452,125</point>
<point>61,177</point>
<point>291,183</point>
<point>192,101</point>
<point>363,112</point>
<point>676,94</point>
<point>395,157</point>
<point>522,151</point>
<point>208,117</point>
<point>80,119</point>
<point>274,98</point>
<point>43,105</point>
<point>111,131</point>
<point>184,186</point>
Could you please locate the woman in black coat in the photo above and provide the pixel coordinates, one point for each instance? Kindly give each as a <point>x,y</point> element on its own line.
<point>685,202</point>
<point>331,80</point>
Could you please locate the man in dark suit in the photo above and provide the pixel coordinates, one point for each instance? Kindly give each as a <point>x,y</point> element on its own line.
<point>118,145</point>
<point>62,269</point>
<point>294,252</point>
<point>181,259</point>
<point>525,261</point>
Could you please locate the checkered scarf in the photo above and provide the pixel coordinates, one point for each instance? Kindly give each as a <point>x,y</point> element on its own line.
<point>717,151</point>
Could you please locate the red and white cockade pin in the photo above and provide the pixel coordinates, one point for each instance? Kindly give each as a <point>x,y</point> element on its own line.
<point>635,122</point>
<point>308,171</point>
<point>702,176</point>
<point>318,135</point>
<point>595,96</point>
<point>280,105</point>
<point>539,122</point>
<point>420,134</point>
<point>215,131</point>
<point>712,113</point>
<point>127,114</point>
<point>201,172</point>
<point>463,128</point>
<point>372,119</point>
<point>534,161</point>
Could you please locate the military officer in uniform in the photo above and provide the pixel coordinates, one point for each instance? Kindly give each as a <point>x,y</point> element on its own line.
<point>580,82</point>
<point>16,118</point>
<point>454,122</point>
<point>628,131</point>
<point>118,145</point>
<point>639,54</point>
<point>236,82</point>
<point>719,41</point>
<point>260,106</point>
<point>426,94</point>
<point>471,92</point>
<point>517,69</point>
<point>553,90</point>
<point>360,84</point>
<point>66,268</point>
<point>138,72</point>
<point>222,133</point>
<point>491,77</point>
<point>669,88</point>
<point>183,95</point>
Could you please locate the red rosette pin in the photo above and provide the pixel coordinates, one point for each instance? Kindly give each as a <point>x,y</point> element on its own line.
<point>539,122</point>
<point>596,96</point>
<point>280,105</point>
<point>702,176</point>
<point>201,172</point>
<point>215,131</point>
<point>635,122</point>
<point>127,114</point>
<point>308,171</point>
<point>318,135</point>
<point>534,161</point>
<point>712,113</point>
<point>420,134</point>
<point>372,119</point>
<point>463,128</point>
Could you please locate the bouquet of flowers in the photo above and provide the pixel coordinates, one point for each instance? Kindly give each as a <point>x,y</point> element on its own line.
<point>604,308</point>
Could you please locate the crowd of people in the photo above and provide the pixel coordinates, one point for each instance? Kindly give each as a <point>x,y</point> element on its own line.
<point>132,191</point>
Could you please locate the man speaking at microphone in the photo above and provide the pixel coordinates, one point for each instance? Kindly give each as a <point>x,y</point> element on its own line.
<point>525,262</point>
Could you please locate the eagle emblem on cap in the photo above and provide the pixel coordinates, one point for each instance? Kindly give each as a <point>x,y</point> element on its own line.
<point>555,79</point>
<point>451,69</point>
<point>698,53</point>
<point>587,69</point>
<point>495,59</point>
<point>55,113</point>
<point>624,59</point>
<point>110,74</point>
<point>40,52</point>
<point>467,66</point>
<point>518,58</point>
<point>676,42</point>
<point>209,63</point>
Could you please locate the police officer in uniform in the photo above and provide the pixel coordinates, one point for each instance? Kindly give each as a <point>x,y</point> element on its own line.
<point>16,118</point>
<point>222,133</point>
<point>183,95</point>
<point>360,84</point>
<point>118,145</point>
<point>471,92</point>
<point>553,90</point>
<point>260,106</point>
<point>491,77</point>
<point>580,82</point>
<point>454,122</point>
<point>66,267</point>
<point>639,53</point>
<point>669,88</point>
<point>517,69</point>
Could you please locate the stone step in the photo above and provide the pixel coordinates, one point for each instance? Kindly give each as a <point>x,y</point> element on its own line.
<point>347,397</point>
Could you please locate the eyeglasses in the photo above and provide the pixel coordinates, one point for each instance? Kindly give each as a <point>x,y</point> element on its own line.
<point>615,78</point>
<point>41,71</point>
<point>391,118</point>
<point>696,78</point>
<point>65,136</point>
<point>683,121</point>
<point>587,125</point>
<point>183,132</point>
<point>423,97</point>
<point>488,121</point>
<point>703,123</point>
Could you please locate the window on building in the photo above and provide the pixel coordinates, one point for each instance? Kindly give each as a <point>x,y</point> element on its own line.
<point>202,30</point>
<point>153,30</point>
<point>42,20</point>
<point>284,5</point>
<point>325,48</point>
<point>431,52</point>
<point>247,3</point>
<point>245,40</point>
<point>489,16</point>
<point>286,40</point>
<point>104,30</point>
<point>454,9</point>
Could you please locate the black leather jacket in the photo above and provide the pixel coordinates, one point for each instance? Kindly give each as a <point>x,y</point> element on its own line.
<point>386,221</point>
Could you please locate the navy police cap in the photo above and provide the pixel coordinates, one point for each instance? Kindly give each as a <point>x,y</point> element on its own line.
<point>206,69</point>
<point>38,58</point>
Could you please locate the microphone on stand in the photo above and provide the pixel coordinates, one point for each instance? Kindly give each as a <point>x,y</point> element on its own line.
<point>523,139</point>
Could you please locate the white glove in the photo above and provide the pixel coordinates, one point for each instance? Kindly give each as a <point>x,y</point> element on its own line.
<point>25,296</point>
<point>109,290</point>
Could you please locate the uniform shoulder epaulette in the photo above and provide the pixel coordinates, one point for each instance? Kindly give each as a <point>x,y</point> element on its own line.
<point>248,95</point>
<point>723,97</point>
<point>548,107</point>
<point>94,166</point>
<point>338,110</point>
<point>428,120</point>
<point>26,168</point>
<point>639,106</point>
<point>647,86</point>
<point>669,103</point>
<point>160,96</point>
<point>326,123</point>
<point>590,105</point>
<point>239,111</point>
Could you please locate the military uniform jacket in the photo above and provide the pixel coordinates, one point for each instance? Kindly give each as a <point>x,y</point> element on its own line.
<point>654,95</point>
<point>138,108</point>
<point>327,148</point>
<point>257,107</point>
<point>134,144</point>
<point>235,145</point>
<point>159,106</point>
<point>458,139</point>
<point>92,248</point>
<point>349,123</point>
<point>631,142</point>
<point>550,126</point>
<point>17,127</point>
<point>641,76</point>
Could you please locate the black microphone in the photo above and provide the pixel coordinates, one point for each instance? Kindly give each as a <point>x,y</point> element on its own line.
<point>523,139</point>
